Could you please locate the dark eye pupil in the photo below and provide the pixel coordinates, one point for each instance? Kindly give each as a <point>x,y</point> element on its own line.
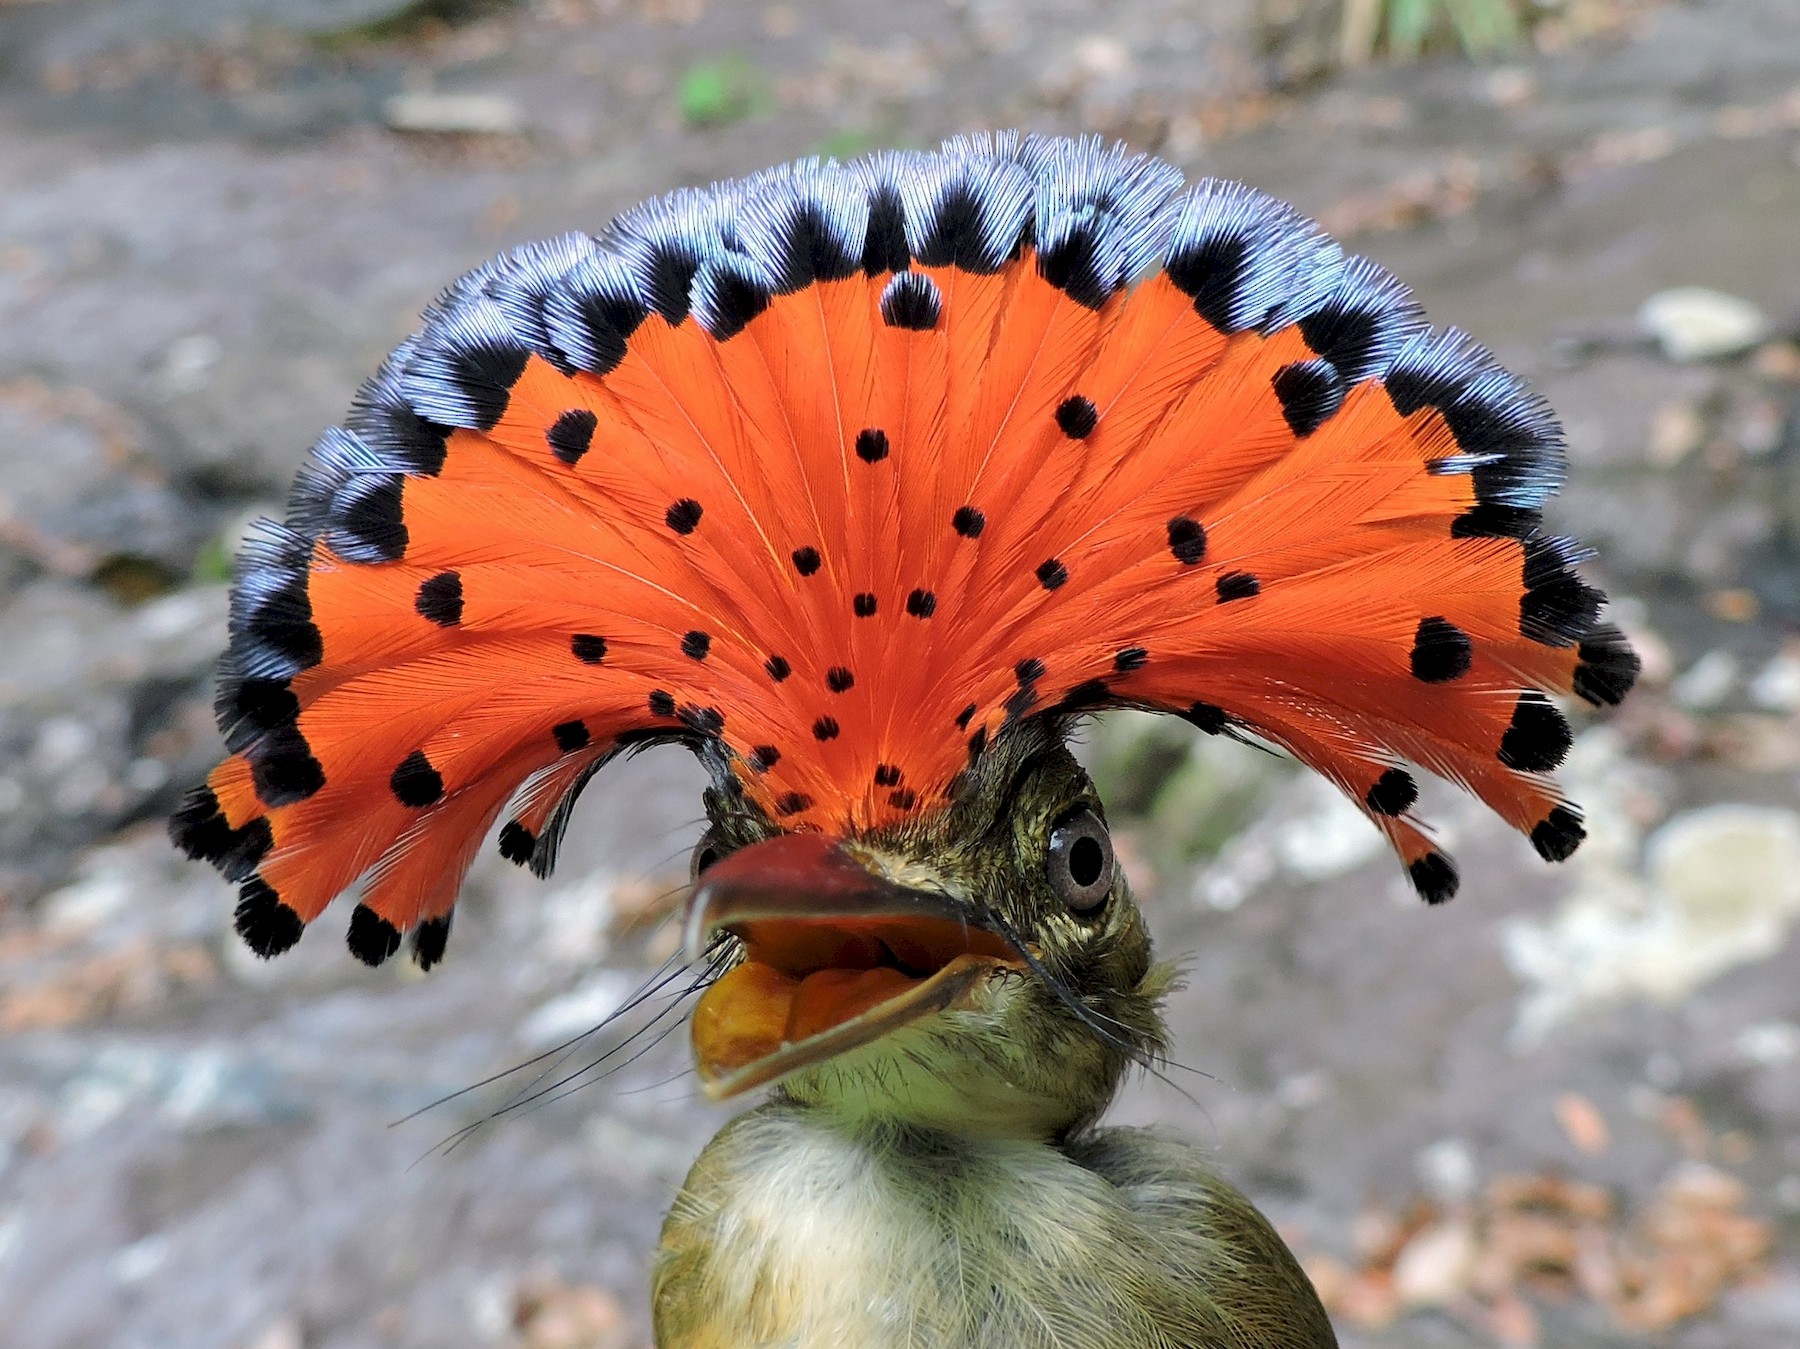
<point>1086,858</point>
<point>1079,862</point>
<point>705,858</point>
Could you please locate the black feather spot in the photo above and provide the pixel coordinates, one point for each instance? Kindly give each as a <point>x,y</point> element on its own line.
<point>429,939</point>
<point>440,599</point>
<point>1212,274</point>
<point>1088,693</point>
<point>368,520</point>
<point>777,667</point>
<point>864,604</point>
<point>1072,264</point>
<point>1441,651</point>
<point>884,242</point>
<point>571,434</point>
<point>1209,717</point>
<point>684,516</point>
<point>703,720</point>
<point>977,743</point>
<point>807,560</point>
<point>1237,585</point>
<point>825,728</point>
<point>911,300</point>
<point>964,717</point>
<point>1492,520</point>
<point>662,703</point>
<point>668,279</point>
<point>282,767</point>
<point>736,302</point>
<point>1077,417</point>
<point>282,627</point>
<point>695,644</point>
<point>1558,834</point>
<point>1187,540</point>
<point>603,318</point>
<point>372,939</point>
<point>484,373</point>
<point>199,828</point>
<point>588,648</point>
<point>969,522</point>
<point>1309,391</point>
<point>1556,609</point>
<point>953,235</point>
<point>397,433</point>
<point>764,757</point>
<point>571,735</point>
<point>517,843</point>
<point>249,846</point>
<point>1130,658</point>
<point>1022,701</point>
<point>1394,793</point>
<point>415,782</point>
<point>871,445</point>
<point>1349,338</point>
<point>792,803</point>
<point>903,799</point>
<point>267,926</point>
<point>1029,669</point>
<point>1052,574</point>
<point>1539,737</point>
<point>921,604</point>
<point>813,251</point>
<point>839,678</point>
<point>1434,877</point>
<point>1607,667</point>
<point>246,708</point>
<point>886,775</point>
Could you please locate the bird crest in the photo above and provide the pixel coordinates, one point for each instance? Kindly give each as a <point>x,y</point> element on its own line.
<point>837,472</point>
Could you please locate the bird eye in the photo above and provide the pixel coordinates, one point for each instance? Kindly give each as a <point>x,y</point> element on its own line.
<point>706,852</point>
<point>1080,861</point>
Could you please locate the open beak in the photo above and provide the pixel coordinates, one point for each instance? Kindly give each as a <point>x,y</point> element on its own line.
<point>834,957</point>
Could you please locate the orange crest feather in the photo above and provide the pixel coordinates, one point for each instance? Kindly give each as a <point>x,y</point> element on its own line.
<point>836,472</point>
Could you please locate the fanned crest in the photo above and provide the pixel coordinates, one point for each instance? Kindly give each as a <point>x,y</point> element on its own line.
<point>835,472</point>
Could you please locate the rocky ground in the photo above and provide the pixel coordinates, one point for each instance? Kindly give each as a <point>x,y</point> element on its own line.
<point>1564,1110</point>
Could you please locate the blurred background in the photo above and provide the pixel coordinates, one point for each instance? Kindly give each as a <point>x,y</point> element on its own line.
<point>1563,1111</point>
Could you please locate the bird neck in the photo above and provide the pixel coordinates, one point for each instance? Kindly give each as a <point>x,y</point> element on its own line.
<point>877,1092</point>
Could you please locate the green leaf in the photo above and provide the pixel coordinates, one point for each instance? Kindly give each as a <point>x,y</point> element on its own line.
<point>846,143</point>
<point>1407,24</point>
<point>722,91</point>
<point>1481,27</point>
<point>213,562</point>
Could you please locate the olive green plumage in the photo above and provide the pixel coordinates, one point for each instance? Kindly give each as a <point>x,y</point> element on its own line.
<point>946,1187</point>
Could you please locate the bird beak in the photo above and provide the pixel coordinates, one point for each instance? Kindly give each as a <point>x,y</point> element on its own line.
<point>835,956</point>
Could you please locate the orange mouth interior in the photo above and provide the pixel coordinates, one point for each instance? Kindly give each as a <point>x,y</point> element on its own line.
<point>804,977</point>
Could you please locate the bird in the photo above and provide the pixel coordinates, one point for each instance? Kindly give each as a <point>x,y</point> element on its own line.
<point>869,482</point>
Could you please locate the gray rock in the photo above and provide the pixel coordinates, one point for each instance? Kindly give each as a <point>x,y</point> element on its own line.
<point>463,114</point>
<point>1697,323</point>
<point>101,717</point>
<point>89,30</point>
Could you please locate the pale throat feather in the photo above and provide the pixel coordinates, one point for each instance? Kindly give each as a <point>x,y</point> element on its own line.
<point>800,1229</point>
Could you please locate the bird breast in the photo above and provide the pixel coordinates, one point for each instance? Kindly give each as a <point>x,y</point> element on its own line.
<point>797,1230</point>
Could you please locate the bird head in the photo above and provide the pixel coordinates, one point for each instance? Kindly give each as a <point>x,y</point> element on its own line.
<point>863,481</point>
<point>985,964</point>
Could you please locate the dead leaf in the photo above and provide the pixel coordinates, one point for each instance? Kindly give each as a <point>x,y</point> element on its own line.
<point>550,1314</point>
<point>1547,1236</point>
<point>1583,1123</point>
<point>1433,1268</point>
